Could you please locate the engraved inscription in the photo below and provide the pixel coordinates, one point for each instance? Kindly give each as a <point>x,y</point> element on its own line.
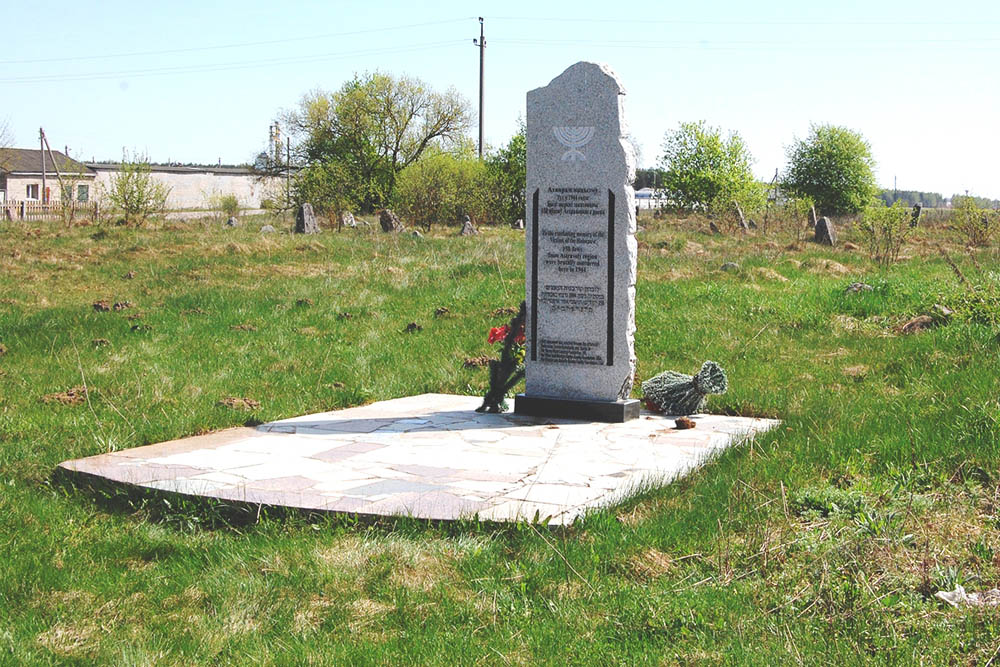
<point>573,251</point>
<point>572,298</point>
<point>573,201</point>
<point>558,351</point>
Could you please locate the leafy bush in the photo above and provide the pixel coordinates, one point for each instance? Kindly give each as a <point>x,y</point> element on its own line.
<point>135,193</point>
<point>440,187</point>
<point>226,204</point>
<point>884,229</point>
<point>705,171</point>
<point>834,166</point>
<point>976,225</point>
<point>980,305</point>
<point>229,205</point>
<point>504,181</point>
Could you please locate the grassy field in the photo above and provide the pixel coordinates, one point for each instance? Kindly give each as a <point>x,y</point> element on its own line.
<point>821,543</point>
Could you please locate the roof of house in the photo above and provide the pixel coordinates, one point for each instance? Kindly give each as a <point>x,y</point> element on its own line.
<point>177,168</point>
<point>29,161</point>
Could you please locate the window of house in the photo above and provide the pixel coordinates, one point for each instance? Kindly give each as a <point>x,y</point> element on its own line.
<point>83,193</point>
<point>31,191</point>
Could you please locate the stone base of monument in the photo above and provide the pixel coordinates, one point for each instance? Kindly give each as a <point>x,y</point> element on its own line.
<point>430,457</point>
<point>613,412</point>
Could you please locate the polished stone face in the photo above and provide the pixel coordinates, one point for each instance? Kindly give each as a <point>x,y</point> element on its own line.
<point>428,456</point>
<point>581,249</point>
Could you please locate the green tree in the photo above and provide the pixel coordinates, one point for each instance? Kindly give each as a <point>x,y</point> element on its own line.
<point>329,186</point>
<point>834,166</point>
<point>134,192</point>
<point>702,170</point>
<point>504,180</point>
<point>373,127</point>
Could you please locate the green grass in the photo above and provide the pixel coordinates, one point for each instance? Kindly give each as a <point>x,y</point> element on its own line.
<point>822,542</point>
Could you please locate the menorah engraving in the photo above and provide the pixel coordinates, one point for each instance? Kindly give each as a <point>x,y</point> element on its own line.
<point>573,138</point>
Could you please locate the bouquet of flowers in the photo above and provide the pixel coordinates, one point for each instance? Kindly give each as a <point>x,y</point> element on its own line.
<point>506,372</point>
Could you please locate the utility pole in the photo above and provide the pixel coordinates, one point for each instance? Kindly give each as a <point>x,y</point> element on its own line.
<point>288,172</point>
<point>481,43</point>
<point>41,151</point>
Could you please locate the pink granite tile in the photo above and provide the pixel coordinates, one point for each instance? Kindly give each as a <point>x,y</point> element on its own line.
<point>144,472</point>
<point>335,454</point>
<point>292,483</point>
<point>346,504</point>
<point>362,447</point>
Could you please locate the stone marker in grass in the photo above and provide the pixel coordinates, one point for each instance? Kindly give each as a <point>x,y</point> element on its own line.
<point>305,220</point>
<point>581,250</point>
<point>826,234</point>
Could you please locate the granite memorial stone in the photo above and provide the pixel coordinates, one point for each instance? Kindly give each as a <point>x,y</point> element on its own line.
<point>581,250</point>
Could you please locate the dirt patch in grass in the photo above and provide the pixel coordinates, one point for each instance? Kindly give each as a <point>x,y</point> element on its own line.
<point>74,396</point>
<point>829,266</point>
<point>239,403</point>
<point>476,362</point>
<point>858,372</point>
<point>246,326</point>
<point>768,273</point>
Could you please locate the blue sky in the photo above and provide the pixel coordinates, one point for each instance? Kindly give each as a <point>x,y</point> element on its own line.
<point>200,81</point>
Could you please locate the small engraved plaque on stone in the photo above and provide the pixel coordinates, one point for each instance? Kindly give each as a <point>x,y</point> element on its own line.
<point>581,249</point>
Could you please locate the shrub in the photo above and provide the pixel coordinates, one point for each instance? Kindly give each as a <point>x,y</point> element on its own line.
<point>976,225</point>
<point>884,229</point>
<point>229,205</point>
<point>834,166</point>
<point>135,193</point>
<point>440,187</point>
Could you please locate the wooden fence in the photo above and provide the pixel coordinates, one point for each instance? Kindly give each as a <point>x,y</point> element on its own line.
<point>36,210</point>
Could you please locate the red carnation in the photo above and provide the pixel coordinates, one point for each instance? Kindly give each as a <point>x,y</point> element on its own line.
<point>497,334</point>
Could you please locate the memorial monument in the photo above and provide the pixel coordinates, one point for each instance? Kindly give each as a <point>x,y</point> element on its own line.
<point>581,250</point>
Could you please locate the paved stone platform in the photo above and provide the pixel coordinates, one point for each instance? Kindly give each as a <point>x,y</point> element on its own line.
<point>430,456</point>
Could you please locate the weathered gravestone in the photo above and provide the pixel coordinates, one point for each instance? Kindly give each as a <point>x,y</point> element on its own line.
<point>825,232</point>
<point>581,250</point>
<point>305,220</point>
<point>467,228</point>
<point>389,221</point>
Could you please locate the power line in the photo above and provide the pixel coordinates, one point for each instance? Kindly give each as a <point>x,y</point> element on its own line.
<point>220,67</point>
<point>963,45</point>
<point>232,46</point>
<point>644,21</point>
